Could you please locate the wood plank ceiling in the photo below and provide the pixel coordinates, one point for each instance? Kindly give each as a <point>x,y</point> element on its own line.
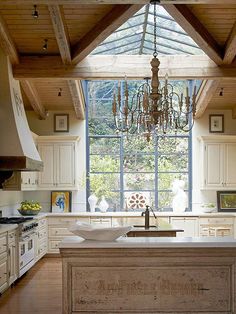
<point>71,29</point>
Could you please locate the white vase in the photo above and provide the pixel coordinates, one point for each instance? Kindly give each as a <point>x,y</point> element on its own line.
<point>103,205</point>
<point>92,200</point>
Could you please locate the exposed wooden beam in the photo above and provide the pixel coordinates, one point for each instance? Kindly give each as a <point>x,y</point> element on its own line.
<point>118,15</point>
<point>74,2</point>
<point>115,67</point>
<point>7,43</point>
<point>33,97</point>
<point>205,94</point>
<point>192,26</point>
<point>77,95</point>
<point>230,50</point>
<point>57,18</point>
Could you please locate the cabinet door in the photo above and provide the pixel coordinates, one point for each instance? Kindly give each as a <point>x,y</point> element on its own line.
<point>230,173</point>
<point>29,180</point>
<point>46,177</point>
<point>3,274</point>
<point>213,165</point>
<point>65,160</point>
<point>12,263</point>
<point>188,224</point>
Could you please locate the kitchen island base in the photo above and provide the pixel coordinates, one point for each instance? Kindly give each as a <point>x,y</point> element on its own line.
<point>148,279</point>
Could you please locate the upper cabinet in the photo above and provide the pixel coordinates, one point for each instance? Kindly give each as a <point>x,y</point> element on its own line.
<point>219,155</point>
<point>59,156</point>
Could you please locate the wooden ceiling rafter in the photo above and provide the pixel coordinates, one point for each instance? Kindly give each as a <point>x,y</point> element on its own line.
<point>7,43</point>
<point>61,33</point>
<point>118,15</point>
<point>230,50</point>
<point>73,2</point>
<point>34,99</point>
<point>204,96</point>
<point>193,27</point>
<point>114,67</point>
<point>78,99</point>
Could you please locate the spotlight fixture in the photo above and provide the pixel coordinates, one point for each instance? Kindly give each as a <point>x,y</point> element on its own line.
<point>221,93</point>
<point>45,46</point>
<point>59,93</point>
<point>35,14</point>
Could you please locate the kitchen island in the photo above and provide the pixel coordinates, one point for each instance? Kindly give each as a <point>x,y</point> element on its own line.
<point>149,275</point>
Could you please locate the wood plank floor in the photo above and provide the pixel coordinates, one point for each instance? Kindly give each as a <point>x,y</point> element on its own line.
<point>39,291</point>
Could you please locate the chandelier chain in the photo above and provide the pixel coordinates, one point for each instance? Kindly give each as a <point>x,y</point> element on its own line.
<point>155,32</point>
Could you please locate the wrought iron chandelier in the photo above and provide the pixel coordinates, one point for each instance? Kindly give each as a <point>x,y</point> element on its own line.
<point>153,108</point>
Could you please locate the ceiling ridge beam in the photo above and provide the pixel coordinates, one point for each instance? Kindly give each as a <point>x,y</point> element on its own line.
<point>7,44</point>
<point>78,98</point>
<point>60,30</point>
<point>118,15</point>
<point>204,96</point>
<point>230,50</point>
<point>193,27</point>
<point>114,67</point>
<point>34,98</point>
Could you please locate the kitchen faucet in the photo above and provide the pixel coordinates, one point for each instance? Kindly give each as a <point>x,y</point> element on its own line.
<point>147,216</point>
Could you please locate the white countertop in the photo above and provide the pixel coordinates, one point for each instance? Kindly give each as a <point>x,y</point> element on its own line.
<point>123,242</point>
<point>6,228</point>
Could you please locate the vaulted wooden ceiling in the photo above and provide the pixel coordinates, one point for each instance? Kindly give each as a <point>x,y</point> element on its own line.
<point>73,28</point>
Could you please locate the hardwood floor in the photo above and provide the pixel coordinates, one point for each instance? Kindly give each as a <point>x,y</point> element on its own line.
<point>39,291</point>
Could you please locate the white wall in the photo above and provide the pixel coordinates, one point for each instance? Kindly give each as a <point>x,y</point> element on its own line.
<point>76,127</point>
<point>201,128</point>
<point>9,202</point>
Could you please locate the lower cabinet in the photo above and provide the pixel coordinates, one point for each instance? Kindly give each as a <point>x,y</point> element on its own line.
<point>58,230</point>
<point>188,224</point>
<point>12,257</point>
<point>216,227</point>
<point>3,263</point>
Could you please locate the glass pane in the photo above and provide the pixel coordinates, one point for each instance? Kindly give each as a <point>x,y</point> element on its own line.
<point>104,145</point>
<point>138,144</point>
<point>114,201</point>
<point>138,200</point>
<point>165,200</point>
<point>104,184</point>
<point>165,180</point>
<point>170,145</point>
<point>104,163</point>
<point>137,162</point>
<point>173,163</point>
<point>139,181</point>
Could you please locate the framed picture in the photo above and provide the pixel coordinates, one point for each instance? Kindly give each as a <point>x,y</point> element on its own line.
<point>61,122</point>
<point>61,201</point>
<point>226,201</point>
<point>216,123</point>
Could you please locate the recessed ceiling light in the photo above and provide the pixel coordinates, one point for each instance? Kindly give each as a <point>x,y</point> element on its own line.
<point>45,46</point>
<point>35,14</point>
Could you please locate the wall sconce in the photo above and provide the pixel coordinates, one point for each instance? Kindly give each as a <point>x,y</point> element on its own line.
<point>221,93</point>
<point>45,46</point>
<point>60,92</point>
<point>35,14</point>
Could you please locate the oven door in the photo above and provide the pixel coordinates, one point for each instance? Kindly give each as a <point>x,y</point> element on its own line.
<point>26,253</point>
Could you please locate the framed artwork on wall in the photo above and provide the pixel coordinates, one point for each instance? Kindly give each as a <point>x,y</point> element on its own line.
<point>216,123</point>
<point>61,201</point>
<point>226,201</point>
<point>61,122</point>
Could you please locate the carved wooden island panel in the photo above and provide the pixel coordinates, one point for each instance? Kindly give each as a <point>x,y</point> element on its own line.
<point>148,279</point>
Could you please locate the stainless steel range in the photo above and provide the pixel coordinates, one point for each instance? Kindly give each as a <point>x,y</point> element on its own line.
<point>26,235</point>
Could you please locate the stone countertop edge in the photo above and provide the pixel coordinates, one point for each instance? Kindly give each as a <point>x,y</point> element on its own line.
<point>6,228</point>
<point>123,242</point>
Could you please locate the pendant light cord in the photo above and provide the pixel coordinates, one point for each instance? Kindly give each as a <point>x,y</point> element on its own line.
<point>155,32</point>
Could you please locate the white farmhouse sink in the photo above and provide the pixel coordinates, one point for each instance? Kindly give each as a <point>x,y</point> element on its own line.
<point>88,232</point>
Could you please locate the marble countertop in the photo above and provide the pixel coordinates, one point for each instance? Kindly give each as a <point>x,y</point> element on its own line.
<point>5,228</point>
<point>147,242</point>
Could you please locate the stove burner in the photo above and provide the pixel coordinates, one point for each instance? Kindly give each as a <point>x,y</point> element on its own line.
<point>14,220</point>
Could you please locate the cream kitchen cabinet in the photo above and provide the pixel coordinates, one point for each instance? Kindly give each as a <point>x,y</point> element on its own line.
<point>3,263</point>
<point>219,155</point>
<point>216,227</point>
<point>59,155</point>
<point>58,229</point>
<point>41,239</point>
<point>188,224</point>
<point>12,256</point>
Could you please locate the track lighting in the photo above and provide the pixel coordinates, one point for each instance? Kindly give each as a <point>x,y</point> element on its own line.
<point>59,93</point>
<point>35,14</point>
<point>221,93</point>
<point>45,46</point>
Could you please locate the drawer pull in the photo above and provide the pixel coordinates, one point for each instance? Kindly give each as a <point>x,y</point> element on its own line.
<point>203,289</point>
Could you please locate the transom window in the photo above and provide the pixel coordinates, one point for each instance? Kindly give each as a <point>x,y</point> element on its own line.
<point>129,169</point>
